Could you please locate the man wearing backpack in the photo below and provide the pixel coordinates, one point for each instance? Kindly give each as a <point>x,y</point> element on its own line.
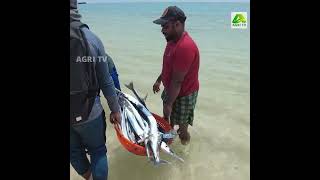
<point>87,116</point>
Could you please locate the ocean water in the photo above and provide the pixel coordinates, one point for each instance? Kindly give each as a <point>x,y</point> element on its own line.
<point>220,137</point>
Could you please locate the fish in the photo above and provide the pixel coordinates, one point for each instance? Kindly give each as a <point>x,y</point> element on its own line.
<point>123,124</point>
<point>167,136</point>
<point>129,130</point>
<point>135,125</point>
<point>141,100</point>
<point>165,148</point>
<point>154,135</point>
<point>142,123</point>
<point>139,126</point>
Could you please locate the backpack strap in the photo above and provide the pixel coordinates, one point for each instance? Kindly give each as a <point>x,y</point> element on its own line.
<point>78,25</point>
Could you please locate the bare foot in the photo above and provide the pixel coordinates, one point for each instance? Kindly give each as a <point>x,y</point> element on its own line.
<point>184,137</point>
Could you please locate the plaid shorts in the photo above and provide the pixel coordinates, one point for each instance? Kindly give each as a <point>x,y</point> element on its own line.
<point>183,108</point>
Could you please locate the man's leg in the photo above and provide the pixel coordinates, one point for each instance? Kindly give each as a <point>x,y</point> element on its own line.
<point>180,116</point>
<point>99,162</point>
<point>183,114</point>
<point>93,135</point>
<point>78,158</point>
<point>184,135</point>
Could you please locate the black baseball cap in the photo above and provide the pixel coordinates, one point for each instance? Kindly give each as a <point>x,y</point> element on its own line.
<point>171,13</point>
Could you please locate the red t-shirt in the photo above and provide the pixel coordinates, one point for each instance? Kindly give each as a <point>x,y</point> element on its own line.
<point>182,56</point>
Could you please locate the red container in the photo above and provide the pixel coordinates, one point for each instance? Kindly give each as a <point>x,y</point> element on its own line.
<point>135,148</point>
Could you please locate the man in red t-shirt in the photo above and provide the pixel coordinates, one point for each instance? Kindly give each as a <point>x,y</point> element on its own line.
<point>179,74</point>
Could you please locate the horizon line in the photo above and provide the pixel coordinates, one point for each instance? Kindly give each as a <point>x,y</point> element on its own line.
<point>163,2</point>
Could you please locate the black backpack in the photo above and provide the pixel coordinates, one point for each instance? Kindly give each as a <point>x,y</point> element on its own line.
<point>83,80</point>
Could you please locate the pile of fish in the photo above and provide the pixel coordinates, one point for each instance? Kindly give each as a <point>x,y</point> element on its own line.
<point>139,126</point>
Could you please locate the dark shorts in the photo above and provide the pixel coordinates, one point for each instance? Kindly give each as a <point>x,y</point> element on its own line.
<point>183,108</point>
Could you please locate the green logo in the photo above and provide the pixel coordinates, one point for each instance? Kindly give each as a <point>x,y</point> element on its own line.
<point>239,18</point>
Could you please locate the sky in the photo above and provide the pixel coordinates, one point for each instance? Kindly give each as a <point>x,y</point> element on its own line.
<point>106,1</point>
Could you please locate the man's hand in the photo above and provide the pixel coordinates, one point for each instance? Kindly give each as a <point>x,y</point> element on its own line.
<point>115,117</point>
<point>167,108</point>
<point>156,87</point>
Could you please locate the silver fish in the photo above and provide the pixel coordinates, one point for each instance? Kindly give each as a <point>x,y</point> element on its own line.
<point>129,131</point>
<point>139,125</point>
<point>165,148</point>
<point>123,125</point>
<point>142,123</point>
<point>136,127</point>
<point>139,120</point>
<point>154,135</point>
<point>172,134</point>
